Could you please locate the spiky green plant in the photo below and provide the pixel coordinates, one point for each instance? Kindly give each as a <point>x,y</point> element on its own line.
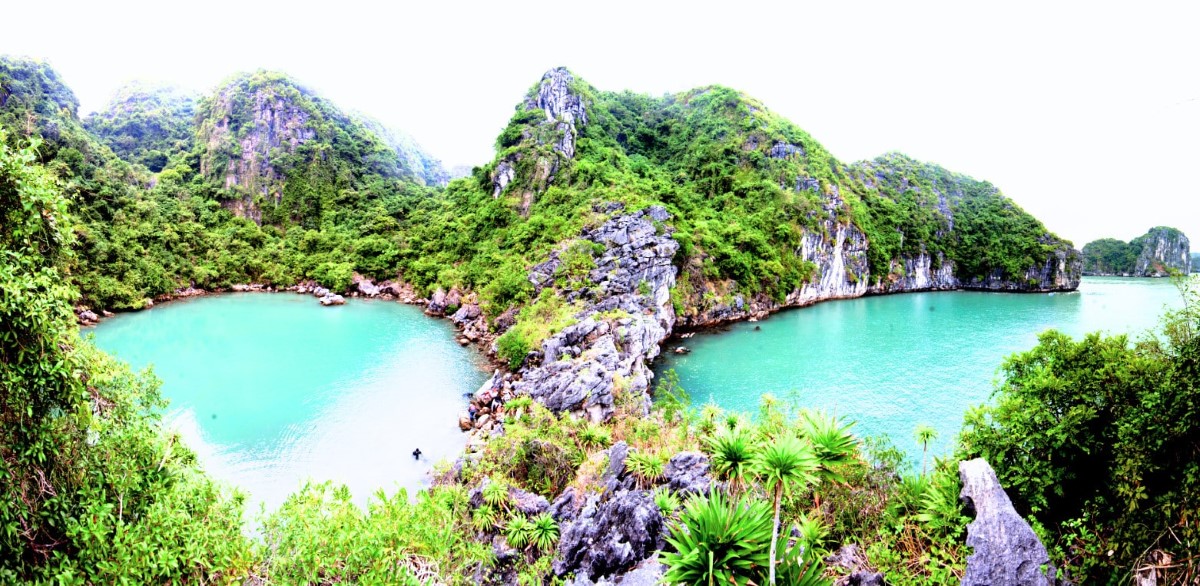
<point>782,465</point>
<point>646,466</point>
<point>719,541</point>
<point>484,518</point>
<point>495,494</point>
<point>832,443</point>
<point>594,436</point>
<point>732,451</point>
<point>544,532</point>
<point>518,532</point>
<point>813,532</point>
<point>666,501</point>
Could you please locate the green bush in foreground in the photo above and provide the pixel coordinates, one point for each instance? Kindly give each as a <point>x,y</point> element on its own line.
<point>92,490</point>
<point>1098,440</point>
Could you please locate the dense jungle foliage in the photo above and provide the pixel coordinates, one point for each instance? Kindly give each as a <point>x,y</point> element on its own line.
<point>264,181</point>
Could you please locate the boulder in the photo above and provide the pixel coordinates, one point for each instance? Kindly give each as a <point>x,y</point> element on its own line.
<point>851,559</point>
<point>1005,548</point>
<point>365,285</point>
<point>687,473</point>
<point>437,303</point>
<point>611,536</point>
<point>332,299</point>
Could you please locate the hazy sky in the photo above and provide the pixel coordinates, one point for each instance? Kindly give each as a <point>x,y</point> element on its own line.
<point>1087,115</point>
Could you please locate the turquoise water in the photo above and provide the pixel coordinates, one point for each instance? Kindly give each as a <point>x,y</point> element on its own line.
<point>271,390</point>
<point>893,362</point>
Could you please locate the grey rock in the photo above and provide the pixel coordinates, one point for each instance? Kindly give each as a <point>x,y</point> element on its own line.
<point>687,473</point>
<point>610,537</point>
<point>633,276</point>
<point>528,503</point>
<point>1005,549</point>
<point>437,303</point>
<point>566,507</point>
<point>784,150</point>
<point>466,313</point>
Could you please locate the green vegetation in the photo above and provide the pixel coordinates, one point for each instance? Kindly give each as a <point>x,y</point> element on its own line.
<point>1098,440</point>
<point>94,490</point>
<point>146,124</point>
<point>1110,256</point>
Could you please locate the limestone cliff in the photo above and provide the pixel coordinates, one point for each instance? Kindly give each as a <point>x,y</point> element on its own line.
<point>273,145</point>
<point>1162,250</point>
<point>1157,253</point>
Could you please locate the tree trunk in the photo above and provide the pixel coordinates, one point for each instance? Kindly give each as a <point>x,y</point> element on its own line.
<point>775,529</point>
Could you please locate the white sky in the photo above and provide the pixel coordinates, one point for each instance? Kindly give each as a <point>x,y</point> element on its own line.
<point>1088,115</point>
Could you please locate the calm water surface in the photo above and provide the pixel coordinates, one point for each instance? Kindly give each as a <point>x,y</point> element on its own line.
<point>271,390</point>
<point>896,361</point>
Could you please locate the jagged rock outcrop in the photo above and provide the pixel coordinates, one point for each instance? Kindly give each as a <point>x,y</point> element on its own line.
<point>686,473</point>
<point>627,314</point>
<point>547,145</point>
<point>1005,549</point>
<point>839,252</point>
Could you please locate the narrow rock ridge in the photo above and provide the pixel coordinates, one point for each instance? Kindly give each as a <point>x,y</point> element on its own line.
<point>628,313</point>
<point>1005,549</point>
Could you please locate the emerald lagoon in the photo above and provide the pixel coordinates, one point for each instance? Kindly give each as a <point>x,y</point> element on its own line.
<point>895,361</point>
<point>273,389</point>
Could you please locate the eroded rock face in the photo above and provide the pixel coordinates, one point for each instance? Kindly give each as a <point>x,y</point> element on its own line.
<point>1004,548</point>
<point>627,314</point>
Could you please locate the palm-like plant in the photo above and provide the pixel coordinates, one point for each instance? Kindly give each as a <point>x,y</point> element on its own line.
<point>594,436</point>
<point>832,443</point>
<point>924,434</point>
<point>783,464</point>
<point>732,450</point>
<point>518,532</point>
<point>484,518</point>
<point>495,494</point>
<point>718,541</point>
<point>666,501</point>
<point>646,466</point>
<point>544,532</point>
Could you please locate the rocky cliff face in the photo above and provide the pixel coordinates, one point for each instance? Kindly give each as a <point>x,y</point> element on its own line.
<point>1157,253</point>
<point>244,142</point>
<point>267,141</point>
<point>1005,549</point>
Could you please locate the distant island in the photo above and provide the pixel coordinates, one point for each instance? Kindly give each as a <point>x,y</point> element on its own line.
<point>1155,254</point>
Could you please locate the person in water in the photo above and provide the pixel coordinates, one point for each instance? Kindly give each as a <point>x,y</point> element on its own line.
<point>417,454</point>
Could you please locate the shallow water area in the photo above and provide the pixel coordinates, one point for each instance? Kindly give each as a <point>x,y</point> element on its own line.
<point>274,389</point>
<point>893,362</point>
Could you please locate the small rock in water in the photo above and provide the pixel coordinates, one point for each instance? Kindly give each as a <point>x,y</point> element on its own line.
<point>682,350</point>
